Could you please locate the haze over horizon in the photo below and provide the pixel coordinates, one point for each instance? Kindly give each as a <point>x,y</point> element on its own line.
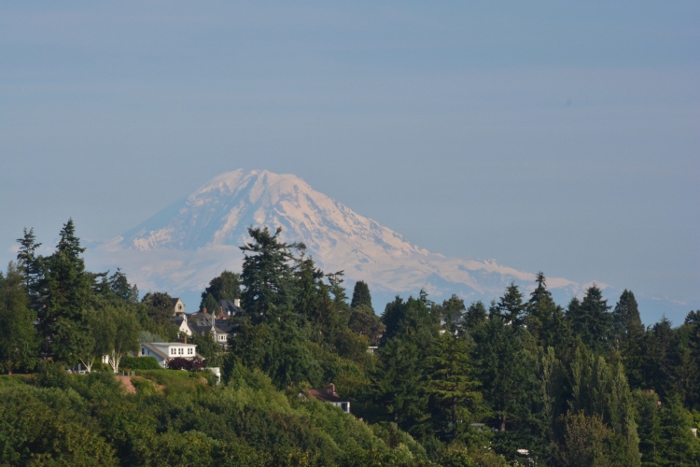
<point>561,138</point>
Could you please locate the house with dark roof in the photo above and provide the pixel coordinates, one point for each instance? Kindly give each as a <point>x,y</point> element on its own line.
<point>229,307</point>
<point>328,395</point>
<point>204,324</point>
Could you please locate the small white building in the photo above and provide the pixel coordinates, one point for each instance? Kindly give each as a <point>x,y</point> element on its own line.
<point>164,351</point>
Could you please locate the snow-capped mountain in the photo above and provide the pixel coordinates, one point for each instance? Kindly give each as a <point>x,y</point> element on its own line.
<point>184,246</point>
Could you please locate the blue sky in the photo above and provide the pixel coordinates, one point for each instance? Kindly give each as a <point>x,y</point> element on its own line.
<point>554,136</point>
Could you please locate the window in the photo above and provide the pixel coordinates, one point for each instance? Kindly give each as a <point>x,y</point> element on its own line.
<point>179,350</point>
<point>189,351</point>
<point>172,351</point>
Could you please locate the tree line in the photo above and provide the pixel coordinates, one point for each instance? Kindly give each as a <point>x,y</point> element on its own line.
<point>521,379</point>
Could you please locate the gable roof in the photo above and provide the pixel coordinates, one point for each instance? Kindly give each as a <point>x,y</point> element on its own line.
<point>154,349</point>
<point>202,322</point>
<point>325,395</point>
<point>228,307</point>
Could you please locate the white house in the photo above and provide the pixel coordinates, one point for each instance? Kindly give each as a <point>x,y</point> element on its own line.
<point>182,325</point>
<point>164,351</point>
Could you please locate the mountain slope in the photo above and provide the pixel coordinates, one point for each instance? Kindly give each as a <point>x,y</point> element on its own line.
<point>181,248</point>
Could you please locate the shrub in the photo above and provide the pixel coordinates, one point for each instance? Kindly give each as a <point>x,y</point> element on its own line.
<point>140,363</point>
<point>180,363</point>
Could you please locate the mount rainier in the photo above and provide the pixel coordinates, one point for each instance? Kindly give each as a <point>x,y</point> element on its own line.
<point>184,246</point>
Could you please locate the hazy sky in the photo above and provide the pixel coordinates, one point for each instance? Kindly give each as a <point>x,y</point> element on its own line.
<point>554,136</point>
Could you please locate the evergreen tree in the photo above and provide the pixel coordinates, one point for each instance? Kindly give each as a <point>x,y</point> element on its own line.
<point>504,369</point>
<point>267,275</point>
<point>659,361</point>
<point>649,427</point>
<point>399,381</point>
<point>540,293</point>
<point>453,394</point>
<point>364,322</point>
<point>399,378</point>
<point>600,389</point>
<point>628,335</point>
<point>309,289</point>
<point>511,305</point>
<point>18,345</point>
<point>692,325</point>
<point>27,263</point>
<point>65,291</point>
<point>590,319</point>
<point>340,296</point>
<point>545,319</point>
<point>476,315</point>
<point>361,295</point>
<point>120,287</point>
<point>412,316</point>
<point>678,445</point>
<point>450,314</point>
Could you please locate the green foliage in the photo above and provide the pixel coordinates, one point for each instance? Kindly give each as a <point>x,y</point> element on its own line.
<point>140,363</point>
<point>678,445</point>
<point>226,286</point>
<point>267,275</point>
<point>122,290</point>
<point>591,321</point>
<point>553,383</point>
<point>29,266</point>
<point>510,306</point>
<point>361,295</point>
<point>475,315</point>
<point>587,441</point>
<point>364,322</point>
<point>647,416</point>
<point>628,335</point>
<point>48,427</point>
<point>158,307</point>
<point>18,343</point>
<point>600,389</point>
<point>505,370</point>
<point>208,348</point>
<point>452,391</point>
<point>209,304</point>
<point>64,290</point>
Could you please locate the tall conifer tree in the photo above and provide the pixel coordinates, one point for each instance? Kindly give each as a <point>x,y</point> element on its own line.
<point>65,291</point>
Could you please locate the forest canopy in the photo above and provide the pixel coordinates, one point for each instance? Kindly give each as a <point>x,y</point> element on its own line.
<point>519,380</point>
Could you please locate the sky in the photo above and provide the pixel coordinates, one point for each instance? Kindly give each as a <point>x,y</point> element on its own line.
<point>554,136</point>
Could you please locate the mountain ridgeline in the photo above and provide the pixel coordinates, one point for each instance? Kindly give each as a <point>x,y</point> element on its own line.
<point>183,246</point>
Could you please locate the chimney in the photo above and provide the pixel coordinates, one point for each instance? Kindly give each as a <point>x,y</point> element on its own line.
<point>331,389</point>
<point>237,302</point>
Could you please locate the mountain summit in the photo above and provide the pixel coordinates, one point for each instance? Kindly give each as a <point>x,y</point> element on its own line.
<point>187,244</point>
<point>220,212</point>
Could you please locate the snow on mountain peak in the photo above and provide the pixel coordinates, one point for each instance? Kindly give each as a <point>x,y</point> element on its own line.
<point>193,240</point>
